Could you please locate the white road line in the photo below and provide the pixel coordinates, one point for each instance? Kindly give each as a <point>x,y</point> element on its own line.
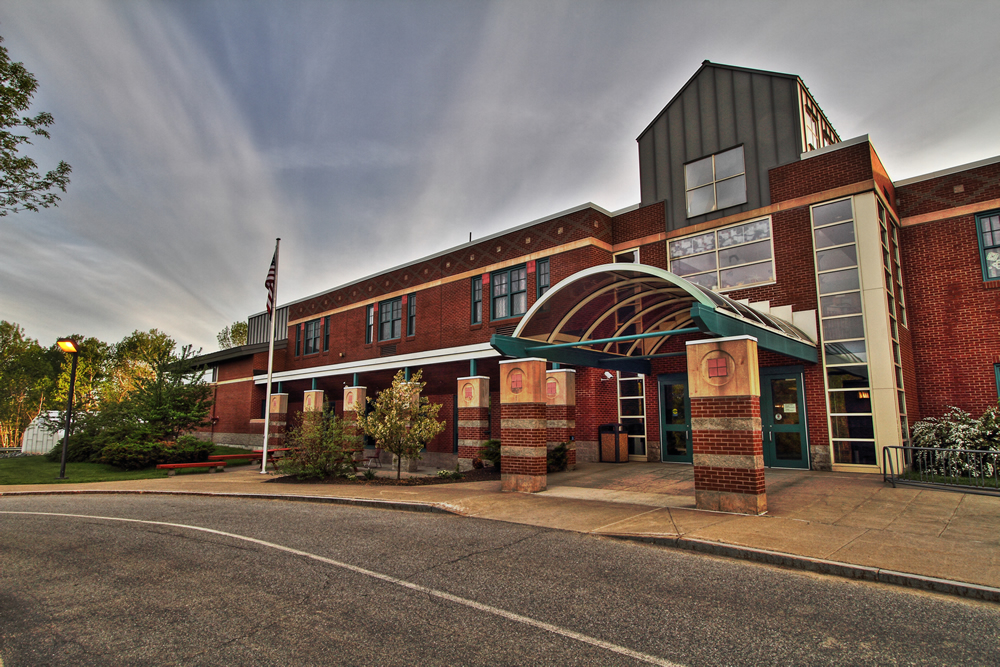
<point>518,618</point>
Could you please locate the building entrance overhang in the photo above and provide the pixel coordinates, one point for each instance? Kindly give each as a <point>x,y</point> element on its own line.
<point>620,316</point>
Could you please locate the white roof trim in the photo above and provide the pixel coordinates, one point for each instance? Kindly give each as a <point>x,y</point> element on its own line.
<point>439,356</point>
<point>847,143</point>
<point>947,172</point>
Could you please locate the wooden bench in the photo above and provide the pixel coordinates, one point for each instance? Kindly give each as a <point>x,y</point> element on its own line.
<point>171,468</point>
<point>230,457</point>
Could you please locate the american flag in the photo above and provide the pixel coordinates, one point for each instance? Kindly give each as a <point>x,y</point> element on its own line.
<point>269,283</point>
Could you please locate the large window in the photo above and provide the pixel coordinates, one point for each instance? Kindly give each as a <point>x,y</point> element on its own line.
<point>989,244</point>
<point>509,293</point>
<point>715,182</point>
<point>390,319</point>
<point>312,337</point>
<point>727,258</point>
<point>477,300</point>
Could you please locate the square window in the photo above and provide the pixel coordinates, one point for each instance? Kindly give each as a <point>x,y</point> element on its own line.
<point>715,182</point>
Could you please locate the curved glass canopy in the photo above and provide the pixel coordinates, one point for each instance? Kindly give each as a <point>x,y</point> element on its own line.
<point>615,314</point>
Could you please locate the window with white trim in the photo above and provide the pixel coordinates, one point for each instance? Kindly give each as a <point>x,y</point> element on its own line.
<point>312,337</point>
<point>715,182</point>
<point>729,258</point>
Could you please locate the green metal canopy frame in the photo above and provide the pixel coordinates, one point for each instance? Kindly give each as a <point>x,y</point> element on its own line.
<point>618,317</point>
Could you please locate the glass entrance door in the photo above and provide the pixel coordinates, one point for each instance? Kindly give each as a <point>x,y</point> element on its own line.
<point>783,418</point>
<point>675,418</point>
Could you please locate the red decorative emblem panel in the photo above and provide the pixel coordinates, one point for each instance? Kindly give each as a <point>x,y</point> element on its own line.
<point>718,368</point>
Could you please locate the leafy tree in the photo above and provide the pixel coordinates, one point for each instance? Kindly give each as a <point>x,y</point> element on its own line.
<point>22,187</point>
<point>93,375</point>
<point>27,382</point>
<point>401,421</point>
<point>234,335</point>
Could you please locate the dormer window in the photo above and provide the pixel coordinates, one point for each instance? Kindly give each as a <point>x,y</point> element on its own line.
<point>715,182</point>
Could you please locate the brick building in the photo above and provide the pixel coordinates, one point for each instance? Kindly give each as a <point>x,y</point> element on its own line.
<point>868,303</point>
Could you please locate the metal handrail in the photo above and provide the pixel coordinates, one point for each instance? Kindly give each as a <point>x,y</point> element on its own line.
<point>966,470</point>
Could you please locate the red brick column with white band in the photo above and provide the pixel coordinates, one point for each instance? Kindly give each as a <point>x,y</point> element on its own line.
<point>473,418</point>
<point>523,425</point>
<point>560,411</point>
<point>724,386</point>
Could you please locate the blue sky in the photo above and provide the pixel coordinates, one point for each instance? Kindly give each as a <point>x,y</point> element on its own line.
<point>369,133</point>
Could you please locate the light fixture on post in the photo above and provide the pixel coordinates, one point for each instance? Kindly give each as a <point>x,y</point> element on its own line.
<point>69,346</point>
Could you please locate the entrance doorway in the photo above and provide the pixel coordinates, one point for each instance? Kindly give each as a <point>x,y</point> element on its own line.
<point>675,418</point>
<point>783,417</point>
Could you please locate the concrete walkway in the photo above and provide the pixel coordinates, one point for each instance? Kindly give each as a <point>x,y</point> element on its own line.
<point>846,524</point>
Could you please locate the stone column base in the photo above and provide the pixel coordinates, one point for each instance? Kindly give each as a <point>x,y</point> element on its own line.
<point>727,501</point>
<point>522,483</point>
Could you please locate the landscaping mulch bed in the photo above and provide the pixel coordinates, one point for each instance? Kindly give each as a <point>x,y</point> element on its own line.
<point>480,475</point>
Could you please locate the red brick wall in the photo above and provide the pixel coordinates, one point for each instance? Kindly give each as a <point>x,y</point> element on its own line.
<point>953,317</point>
<point>821,172</point>
<point>644,221</point>
<point>444,442</point>
<point>938,194</point>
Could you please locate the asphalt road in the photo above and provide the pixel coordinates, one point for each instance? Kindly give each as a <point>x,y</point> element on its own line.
<point>200,581</point>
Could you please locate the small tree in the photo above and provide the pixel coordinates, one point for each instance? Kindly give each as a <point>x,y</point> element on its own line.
<point>401,421</point>
<point>322,446</point>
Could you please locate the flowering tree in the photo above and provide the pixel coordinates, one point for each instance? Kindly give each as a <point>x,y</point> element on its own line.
<point>401,421</point>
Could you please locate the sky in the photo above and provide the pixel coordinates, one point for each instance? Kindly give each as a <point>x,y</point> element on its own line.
<point>370,133</point>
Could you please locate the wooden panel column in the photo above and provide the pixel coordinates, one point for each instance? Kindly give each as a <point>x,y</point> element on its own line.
<point>312,400</point>
<point>473,418</point>
<point>724,385</point>
<point>560,411</point>
<point>279,421</point>
<point>523,425</point>
<point>355,399</point>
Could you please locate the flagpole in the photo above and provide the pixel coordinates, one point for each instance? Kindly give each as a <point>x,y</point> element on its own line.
<point>270,360</point>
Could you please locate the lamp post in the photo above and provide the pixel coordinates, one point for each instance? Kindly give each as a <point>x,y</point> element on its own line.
<point>68,345</point>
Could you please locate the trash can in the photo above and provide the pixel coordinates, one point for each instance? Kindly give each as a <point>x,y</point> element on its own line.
<point>614,443</point>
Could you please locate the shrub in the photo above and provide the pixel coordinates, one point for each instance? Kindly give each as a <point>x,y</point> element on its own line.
<point>449,474</point>
<point>491,452</point>
<point>557,458</point>
<point>138,455</point>
<point>958,430</point>
<point>321,447</point>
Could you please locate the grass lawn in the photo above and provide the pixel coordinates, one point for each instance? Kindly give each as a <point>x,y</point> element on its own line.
<point>37,470</point>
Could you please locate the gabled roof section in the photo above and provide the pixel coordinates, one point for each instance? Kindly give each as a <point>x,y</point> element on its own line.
<point>704,65</point>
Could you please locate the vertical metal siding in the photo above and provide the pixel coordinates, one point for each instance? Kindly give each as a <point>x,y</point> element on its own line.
<point>721,108</point>
<point>257,327</point>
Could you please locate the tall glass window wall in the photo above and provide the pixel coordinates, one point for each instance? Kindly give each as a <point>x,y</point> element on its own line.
<point>895,305</point>
<point>842,326</point>
<point>728,258</point>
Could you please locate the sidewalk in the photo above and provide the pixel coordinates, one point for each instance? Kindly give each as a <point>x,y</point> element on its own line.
<point>846,524</point>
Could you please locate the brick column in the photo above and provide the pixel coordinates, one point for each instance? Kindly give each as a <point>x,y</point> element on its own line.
<point>312,400</point>
<point>523,425</point>
<point>354,397</point>
<point>473,418</point>
<point>279,423</point>
<point>560,411</point>
<point>724,385</point>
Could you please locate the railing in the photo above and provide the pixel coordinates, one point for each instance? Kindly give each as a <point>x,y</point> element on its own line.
<point>965,470</point>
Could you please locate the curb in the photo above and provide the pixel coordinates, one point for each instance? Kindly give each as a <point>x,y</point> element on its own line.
<point>820,566</point>
<point>401,505</point>
<point>777,558</point>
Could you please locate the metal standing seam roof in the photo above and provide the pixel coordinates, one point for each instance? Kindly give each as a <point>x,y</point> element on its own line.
<point>621,308</point>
